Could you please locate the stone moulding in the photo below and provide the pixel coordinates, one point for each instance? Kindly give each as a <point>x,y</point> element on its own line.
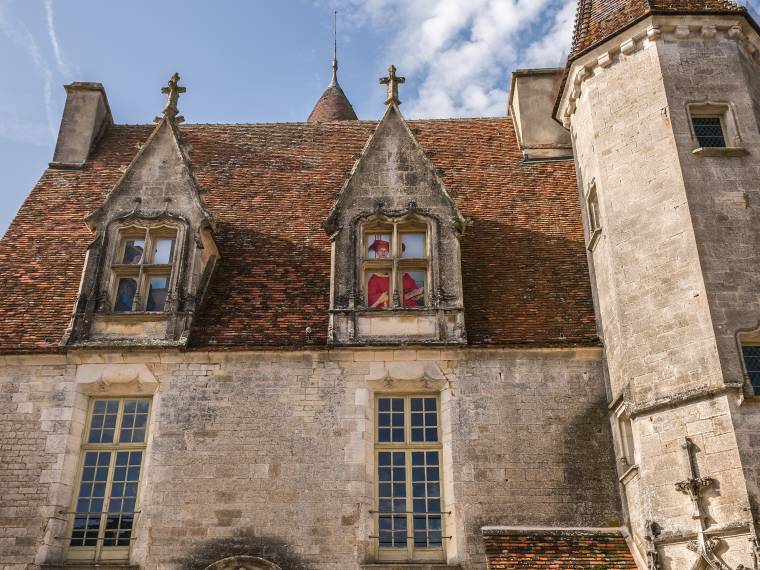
<point>655,28</point>
<point>243,563</point>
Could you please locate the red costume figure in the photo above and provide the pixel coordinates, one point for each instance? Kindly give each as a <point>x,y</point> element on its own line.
<point>380,248</point>
<point>413,295</point>
<point>378,291</point>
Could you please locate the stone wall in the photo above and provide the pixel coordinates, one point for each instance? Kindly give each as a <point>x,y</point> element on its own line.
<point>271,453</point>
<point>675,269</point>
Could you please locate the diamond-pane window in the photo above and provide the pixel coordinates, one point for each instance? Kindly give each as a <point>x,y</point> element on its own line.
<point>752,362</point>
<point>709,132</point>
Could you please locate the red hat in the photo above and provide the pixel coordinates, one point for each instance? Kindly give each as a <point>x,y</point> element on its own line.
<point>379,244</point>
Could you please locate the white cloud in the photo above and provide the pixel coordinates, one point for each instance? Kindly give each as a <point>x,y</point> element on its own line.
<point>20,35</point>
<point>62,67</point>
<point>459,53</point>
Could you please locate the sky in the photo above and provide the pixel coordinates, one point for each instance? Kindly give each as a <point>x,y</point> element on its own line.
<point>251,61</point>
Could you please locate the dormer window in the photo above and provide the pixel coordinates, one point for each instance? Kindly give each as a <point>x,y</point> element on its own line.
<point>143,267</point>
<point>396,264</point>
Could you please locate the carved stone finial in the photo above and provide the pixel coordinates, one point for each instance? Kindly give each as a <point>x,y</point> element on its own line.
<point>392,81</point>
<point>172,92</point>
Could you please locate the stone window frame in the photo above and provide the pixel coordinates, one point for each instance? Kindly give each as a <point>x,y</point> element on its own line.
<point>744,340</point>
<point>624,421</point>
<point>101,553</point>
<point>410,554</point>
<point>593,215</point>
<point>151,229</point>
<point>723,110</point>
<point>412,221</point>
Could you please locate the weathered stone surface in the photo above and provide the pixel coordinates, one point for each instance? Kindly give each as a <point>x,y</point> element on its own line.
<point>675,271</point>
<point>271,454</point>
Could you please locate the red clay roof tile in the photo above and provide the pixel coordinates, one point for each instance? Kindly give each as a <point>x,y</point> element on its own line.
<point>557,550</point>
<point>270,187</point>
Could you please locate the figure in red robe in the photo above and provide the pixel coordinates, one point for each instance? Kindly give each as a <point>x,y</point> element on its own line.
<point>413,296</point>
<point>378,291</point>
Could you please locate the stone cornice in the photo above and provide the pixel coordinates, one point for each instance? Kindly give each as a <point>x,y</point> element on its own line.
<point>645,34</point>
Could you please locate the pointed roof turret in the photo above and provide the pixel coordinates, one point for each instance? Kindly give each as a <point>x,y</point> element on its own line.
<point>333,105</point>
<point>598,20</point>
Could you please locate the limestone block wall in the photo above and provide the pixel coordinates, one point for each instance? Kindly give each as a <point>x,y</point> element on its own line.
<point>674,270</point>
<point>272,453</point>
<point>723,194</point>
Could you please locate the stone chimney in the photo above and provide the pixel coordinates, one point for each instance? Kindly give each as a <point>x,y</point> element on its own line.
<point>85,117</point>
<point>531,101</point>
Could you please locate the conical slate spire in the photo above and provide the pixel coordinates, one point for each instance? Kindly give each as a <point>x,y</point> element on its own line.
<point>333,105</point>
<point>598,20</point>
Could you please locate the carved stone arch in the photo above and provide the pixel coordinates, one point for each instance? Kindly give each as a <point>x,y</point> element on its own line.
<point>243,563</point>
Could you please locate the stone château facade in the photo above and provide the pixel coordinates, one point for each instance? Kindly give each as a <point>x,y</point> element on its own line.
<point>530,341</point>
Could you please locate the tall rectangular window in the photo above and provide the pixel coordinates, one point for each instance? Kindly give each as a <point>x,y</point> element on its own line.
<point>409,513</point>
<point>752,363</point>
<point>104,513</point>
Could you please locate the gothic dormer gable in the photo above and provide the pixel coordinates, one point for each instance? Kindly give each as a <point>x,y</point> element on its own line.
<point>154,251</point>
<point>396,274</point>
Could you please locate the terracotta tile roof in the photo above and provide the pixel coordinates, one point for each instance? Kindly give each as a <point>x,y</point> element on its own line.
<point>333,105</point>
<point>270,187</point>
<point>556,549</point>
<point>597,20</point>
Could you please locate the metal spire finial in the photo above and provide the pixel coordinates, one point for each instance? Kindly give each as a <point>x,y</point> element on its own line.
<point>173,91</point>
<point>392,81</point>
<point>335,49</point>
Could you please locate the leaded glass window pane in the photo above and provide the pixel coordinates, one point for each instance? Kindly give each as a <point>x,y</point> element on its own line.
<point>163,251</point>
<point>378,245</point>
<point>413,284</point>
<point>413,245</point>
<point>426,499</point>
<point>752,362</point>
<point>125,294</point>
<point>134,249</point>
<point>392,499</point>
<point>424,418</point>
<point>409,515</point>
<point>106,503</point>
<point>157,293</point>
<point>391,420</point>
<point>103,422</point>
<point>709,132</point>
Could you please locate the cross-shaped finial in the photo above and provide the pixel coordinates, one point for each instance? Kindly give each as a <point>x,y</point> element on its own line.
<point>392,81</point>
<point>173,91</point>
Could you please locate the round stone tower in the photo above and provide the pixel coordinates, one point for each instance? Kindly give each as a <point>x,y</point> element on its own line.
<point>662,99</point>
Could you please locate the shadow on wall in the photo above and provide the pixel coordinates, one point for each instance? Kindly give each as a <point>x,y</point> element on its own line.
<point>269,548</point>
<point>587,440</point>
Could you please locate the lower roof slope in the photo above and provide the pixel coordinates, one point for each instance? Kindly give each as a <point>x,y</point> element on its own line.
<point>270,187</point>
<point>557,549</point>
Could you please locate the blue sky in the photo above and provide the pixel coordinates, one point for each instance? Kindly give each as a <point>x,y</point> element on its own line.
<point>246,61</point>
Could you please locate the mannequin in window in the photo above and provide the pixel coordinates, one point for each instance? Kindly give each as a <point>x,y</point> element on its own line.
<point>378,284</point>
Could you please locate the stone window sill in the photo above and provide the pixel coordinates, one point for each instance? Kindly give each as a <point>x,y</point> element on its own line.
<point>716,151</point>
<point>630,473</point>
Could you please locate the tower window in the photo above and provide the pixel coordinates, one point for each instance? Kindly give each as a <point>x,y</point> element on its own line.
<point>142,269</point>
<point>709,131</point>
<point>592,213</point>
<point>396,264</point>
<point>752,365</point>
<point>104,514</point>
<point>409,514</point>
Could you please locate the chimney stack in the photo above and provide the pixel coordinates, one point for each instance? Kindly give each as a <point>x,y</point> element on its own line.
<point>85,117</point>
